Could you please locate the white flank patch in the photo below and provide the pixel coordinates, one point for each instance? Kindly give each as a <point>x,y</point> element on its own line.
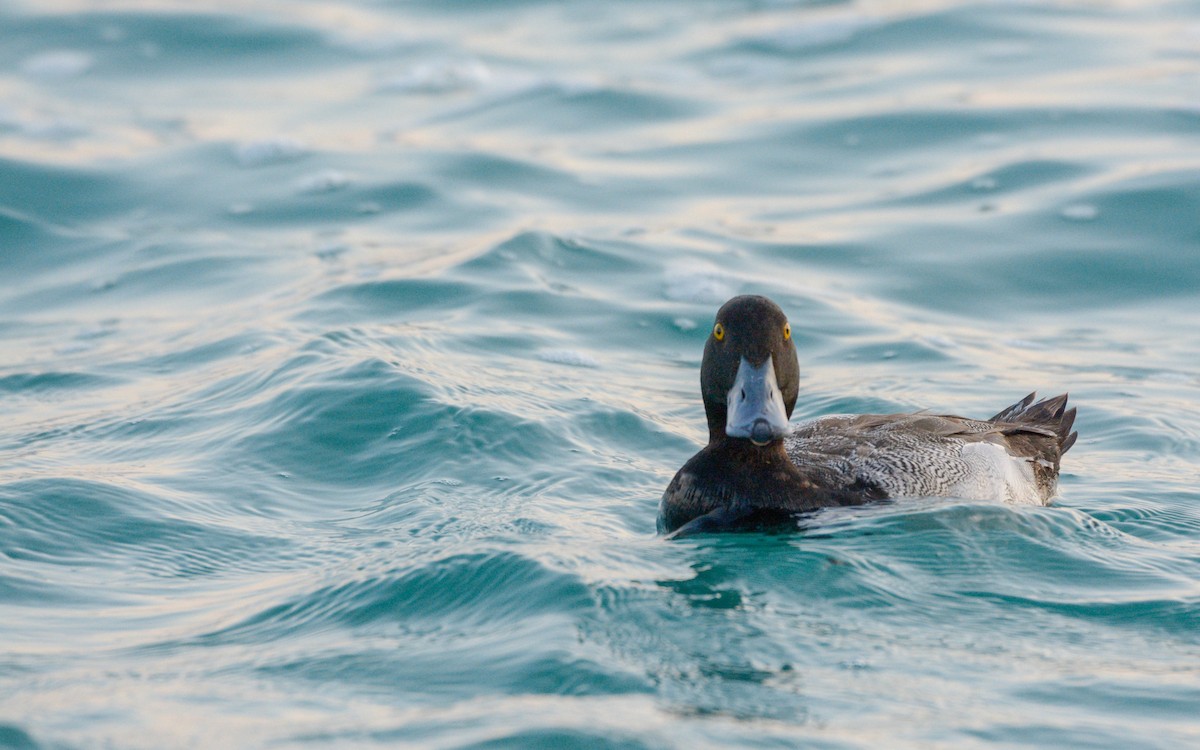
<point>996,475</point>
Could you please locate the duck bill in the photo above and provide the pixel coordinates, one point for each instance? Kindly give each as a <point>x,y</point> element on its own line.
<point>754,405</point>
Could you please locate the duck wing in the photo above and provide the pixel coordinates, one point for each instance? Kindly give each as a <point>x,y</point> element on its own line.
<point>1013,456</point>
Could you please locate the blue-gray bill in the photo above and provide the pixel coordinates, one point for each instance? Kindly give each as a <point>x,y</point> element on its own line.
<point>754,405</point>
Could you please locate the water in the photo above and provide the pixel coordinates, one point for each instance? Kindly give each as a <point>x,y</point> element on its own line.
<point>347,348</point>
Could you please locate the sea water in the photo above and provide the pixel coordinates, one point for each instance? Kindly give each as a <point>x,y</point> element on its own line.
<point>347,347</point>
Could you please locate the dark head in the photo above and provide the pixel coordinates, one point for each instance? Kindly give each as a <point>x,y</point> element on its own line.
<point>750,376</point>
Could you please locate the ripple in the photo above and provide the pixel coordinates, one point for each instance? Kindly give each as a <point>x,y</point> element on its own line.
<point>45,195</point>
<point>566,357</point>
<point>1080,212</point>
<point>76,523</point>
<point>12,736</point>
<point>57,64</point>
<point>323,182</point>
<point>19,383</point>
<point>439,77</point>
<point>577,105</point>
<point>347,352</point>
<point>457,594</point>
<point>816,33</point>
<point>278,149</point>
<point>698,281</point>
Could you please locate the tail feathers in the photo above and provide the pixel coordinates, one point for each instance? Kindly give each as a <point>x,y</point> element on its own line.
<point>1049,416</point>
<point>1010,414</point>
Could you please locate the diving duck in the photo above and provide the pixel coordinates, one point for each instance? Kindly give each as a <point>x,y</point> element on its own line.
<point>759,470</point>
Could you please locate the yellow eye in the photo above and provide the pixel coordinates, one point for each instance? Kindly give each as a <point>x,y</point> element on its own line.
<point>719,332</point>
<point>787,331</point>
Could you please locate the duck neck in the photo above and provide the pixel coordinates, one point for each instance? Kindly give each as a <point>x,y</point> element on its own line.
<point>754,477</point>
<point>716,415</point>
<point>771,455</point>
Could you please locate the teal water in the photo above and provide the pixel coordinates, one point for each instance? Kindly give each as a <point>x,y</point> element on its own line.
<point>346,348</point>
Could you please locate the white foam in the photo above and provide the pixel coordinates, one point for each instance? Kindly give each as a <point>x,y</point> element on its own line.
<point>568,357</point>
<point>270,151</point>
<point>57,64</point>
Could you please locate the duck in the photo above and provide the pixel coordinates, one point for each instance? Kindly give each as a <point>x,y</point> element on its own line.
<point>758,470</point>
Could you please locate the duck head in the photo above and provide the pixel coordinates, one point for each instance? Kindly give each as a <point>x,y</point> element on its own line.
<point>750,374</point>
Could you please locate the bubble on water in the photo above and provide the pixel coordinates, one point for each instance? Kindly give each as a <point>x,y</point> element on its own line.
<point>1080,212</point>
<point>57,64</point>
<point>685,324</point>
<point>568,357</point>
<point>267,151</point>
